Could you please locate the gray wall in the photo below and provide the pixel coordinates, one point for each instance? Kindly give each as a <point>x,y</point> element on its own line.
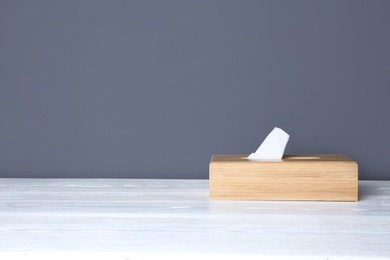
<point>151,89</point>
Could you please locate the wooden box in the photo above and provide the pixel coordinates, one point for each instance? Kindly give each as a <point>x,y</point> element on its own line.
<point>328,177</point>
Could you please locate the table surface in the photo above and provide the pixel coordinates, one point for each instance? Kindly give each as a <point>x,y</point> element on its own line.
<point>174,219</point>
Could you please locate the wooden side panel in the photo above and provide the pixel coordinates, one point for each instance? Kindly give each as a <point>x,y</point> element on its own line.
<point>236,178</point>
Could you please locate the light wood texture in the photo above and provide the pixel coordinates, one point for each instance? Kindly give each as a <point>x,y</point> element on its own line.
<point>332,177</point>
<point>174,219</point>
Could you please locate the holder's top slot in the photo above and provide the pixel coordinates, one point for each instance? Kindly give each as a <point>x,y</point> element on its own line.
<point>286,158</point>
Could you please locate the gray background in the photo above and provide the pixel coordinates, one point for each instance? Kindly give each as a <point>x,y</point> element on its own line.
<point>151,89</point>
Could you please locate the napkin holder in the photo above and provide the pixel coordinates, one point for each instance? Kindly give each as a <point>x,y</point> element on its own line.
<point>322,177</point>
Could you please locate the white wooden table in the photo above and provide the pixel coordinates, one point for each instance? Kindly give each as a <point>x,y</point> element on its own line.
<point>174,219</point>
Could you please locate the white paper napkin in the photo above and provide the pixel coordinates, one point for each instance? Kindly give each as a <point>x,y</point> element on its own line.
<point>272,147</point>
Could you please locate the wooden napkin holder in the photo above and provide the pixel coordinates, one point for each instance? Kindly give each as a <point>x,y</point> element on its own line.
<point>323,177</point>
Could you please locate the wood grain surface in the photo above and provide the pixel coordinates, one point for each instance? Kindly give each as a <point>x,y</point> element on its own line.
<point>332,177</point>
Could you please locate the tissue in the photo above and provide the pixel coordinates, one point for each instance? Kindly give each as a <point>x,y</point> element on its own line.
<point>272,147</point>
